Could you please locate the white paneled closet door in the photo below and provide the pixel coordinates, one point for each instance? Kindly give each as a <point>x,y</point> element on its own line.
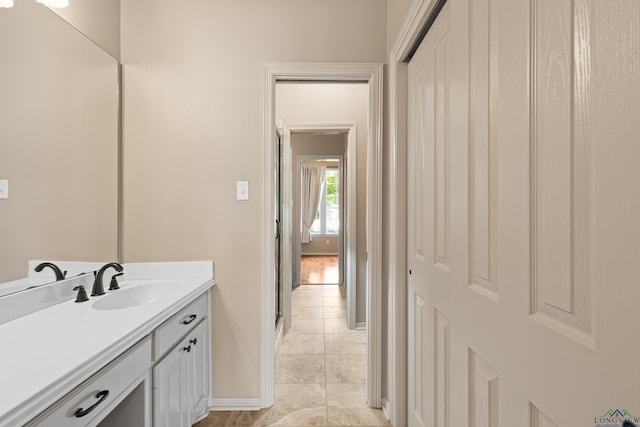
<point>429,222</point>
<point>524,215</point>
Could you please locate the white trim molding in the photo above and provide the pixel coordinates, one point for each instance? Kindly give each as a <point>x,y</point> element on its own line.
<point>235,404</point>
<point>396,405</point>
<point>320,254</point>
<point>374,240</point>
<point>373,75</point>
<point>349,252</point>
<point>386,409</point>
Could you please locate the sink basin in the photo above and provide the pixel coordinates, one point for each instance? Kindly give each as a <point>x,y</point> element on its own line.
<point>134,297</point>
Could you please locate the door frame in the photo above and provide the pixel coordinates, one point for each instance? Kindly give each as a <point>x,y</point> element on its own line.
<point>299,160</point>
<point>367,73</point>
<point>279,156</point>
<point>349,240</point>
<point>409,37</point>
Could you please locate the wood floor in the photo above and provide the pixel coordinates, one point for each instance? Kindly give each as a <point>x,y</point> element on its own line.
<point>319,270</point>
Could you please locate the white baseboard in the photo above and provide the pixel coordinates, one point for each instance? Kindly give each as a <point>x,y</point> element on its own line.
<point>361,326</point>
<point>279,333</point>
<point>235,404</point>
<point>386,409</point>
<point>320,253</point>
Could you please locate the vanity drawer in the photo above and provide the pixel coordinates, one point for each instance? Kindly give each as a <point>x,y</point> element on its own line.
<point>181,323</point>
<point>109,386</point>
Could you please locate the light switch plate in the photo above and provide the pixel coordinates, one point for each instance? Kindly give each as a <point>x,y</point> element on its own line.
<point>4,189</point>
<point>242,190</point>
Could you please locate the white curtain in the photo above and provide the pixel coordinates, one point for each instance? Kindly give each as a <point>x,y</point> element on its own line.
<point>312,181</point>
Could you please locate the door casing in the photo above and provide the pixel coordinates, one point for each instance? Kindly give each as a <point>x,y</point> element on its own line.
<point>342,235</point>
<point>372,74</point>
<point>396,404</point>
<point>349,250</point>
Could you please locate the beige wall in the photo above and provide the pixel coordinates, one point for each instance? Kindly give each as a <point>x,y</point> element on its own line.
<point>97,19</point>
<point>336,103</point>
<point>58,142</point>
<point>192,127</point>
<point>321,245</point>
<point>396,14</point>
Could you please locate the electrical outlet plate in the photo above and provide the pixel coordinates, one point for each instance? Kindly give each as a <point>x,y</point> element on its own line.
<point>4,189</point>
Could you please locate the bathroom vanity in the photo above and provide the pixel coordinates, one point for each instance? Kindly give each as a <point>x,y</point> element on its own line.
<point>136,356</point>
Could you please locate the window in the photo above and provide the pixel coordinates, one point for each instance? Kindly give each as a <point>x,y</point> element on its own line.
<point>328,216</point>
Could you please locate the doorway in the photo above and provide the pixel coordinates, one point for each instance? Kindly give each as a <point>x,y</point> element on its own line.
<point>320,206</point>
<point>291,252</point>
<point>371,75</point>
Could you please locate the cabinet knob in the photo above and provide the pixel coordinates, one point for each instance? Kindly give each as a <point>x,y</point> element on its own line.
<point>187,348</point>
<point>194,341</point>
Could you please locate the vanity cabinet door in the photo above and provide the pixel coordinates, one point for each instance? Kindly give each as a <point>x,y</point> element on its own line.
<point>199,370</point>
<point>171,389</point>
<point>182,381</point>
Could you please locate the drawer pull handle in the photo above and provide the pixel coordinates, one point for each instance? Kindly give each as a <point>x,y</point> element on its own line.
<point>102,395</point>
<point>190,319</point>
<point>187,349</point>
<point>194,341</point>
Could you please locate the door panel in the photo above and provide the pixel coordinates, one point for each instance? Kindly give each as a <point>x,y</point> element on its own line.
<point>482,148</point>
<point>561,184</point>
<point>441,369</point>
<point>429,224</point>
<point>522,215</point>
<point>171,401</point>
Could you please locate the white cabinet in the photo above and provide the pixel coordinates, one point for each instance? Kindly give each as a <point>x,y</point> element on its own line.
<point>173,360</point>
<point>182,381</point>
<point>100,394</point>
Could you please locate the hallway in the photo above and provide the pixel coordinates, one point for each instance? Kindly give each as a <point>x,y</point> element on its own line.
<point>320,370</point>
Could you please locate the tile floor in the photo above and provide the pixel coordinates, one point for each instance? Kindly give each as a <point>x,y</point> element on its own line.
<point>320,370</point>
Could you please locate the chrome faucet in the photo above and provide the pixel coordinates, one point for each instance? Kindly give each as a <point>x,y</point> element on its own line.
<point>98,287</point>
<point>59,274</point>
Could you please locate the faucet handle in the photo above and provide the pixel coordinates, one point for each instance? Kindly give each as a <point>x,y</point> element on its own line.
<point>114,282</point>
<point>82,294</point>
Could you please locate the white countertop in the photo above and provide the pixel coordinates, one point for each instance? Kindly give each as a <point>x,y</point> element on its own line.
<point>48,353</point>
<point>20,285</point>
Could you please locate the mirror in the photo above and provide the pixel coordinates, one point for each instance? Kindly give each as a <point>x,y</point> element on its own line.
<point>59,107</point>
